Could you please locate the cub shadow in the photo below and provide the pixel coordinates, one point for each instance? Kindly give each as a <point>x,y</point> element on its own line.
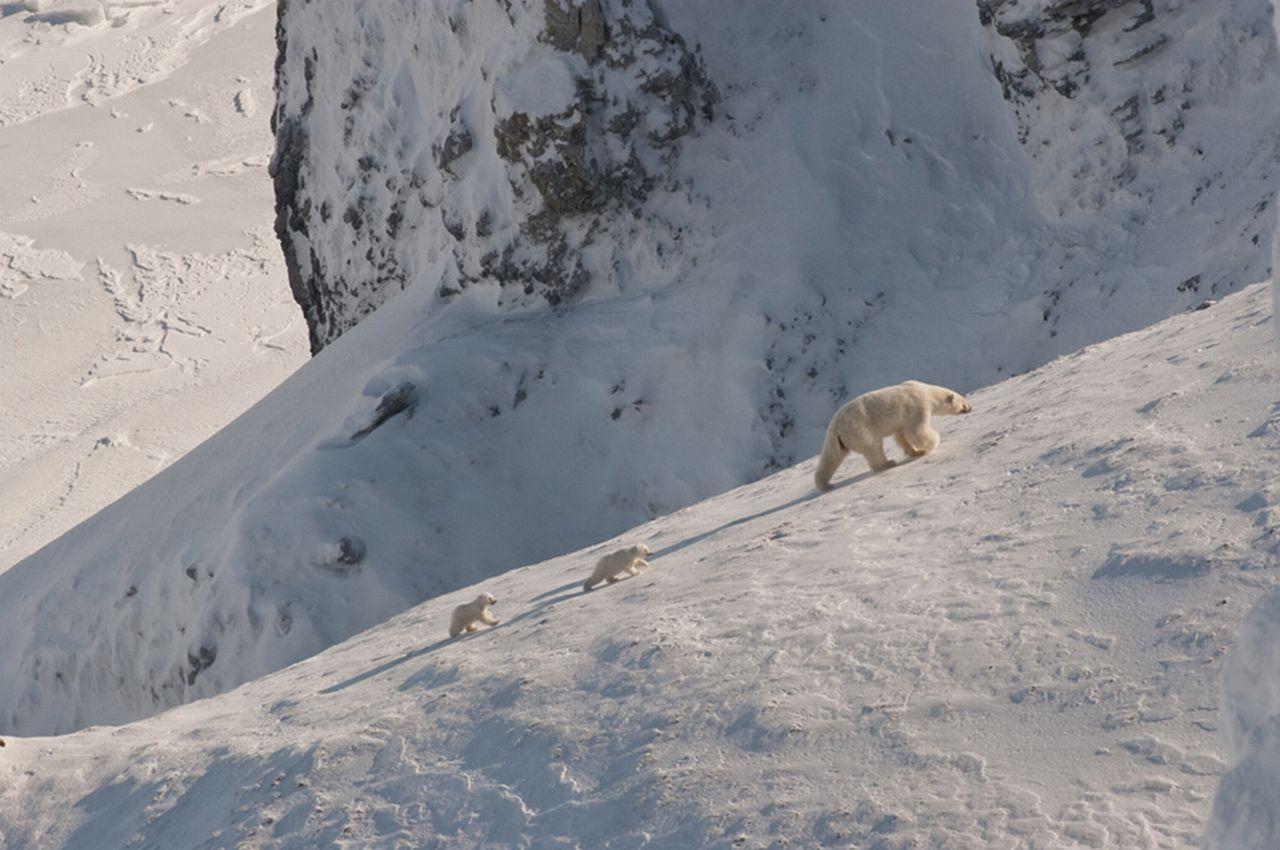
<point>572,589</point>
<point>1157,567</point>
<point>393,663</point>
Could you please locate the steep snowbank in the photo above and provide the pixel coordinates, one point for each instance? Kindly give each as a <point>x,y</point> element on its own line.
<point>1013,643</point>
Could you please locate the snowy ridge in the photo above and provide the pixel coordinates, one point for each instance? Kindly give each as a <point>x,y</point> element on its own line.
<point>1015,642</point>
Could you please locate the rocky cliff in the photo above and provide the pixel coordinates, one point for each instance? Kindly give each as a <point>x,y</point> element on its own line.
<point>386,123</point>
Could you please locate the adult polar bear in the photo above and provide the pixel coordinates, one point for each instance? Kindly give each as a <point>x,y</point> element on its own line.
<point>903,410</point>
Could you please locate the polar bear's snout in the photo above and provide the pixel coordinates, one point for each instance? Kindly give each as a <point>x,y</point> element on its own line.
<point>968,408</point>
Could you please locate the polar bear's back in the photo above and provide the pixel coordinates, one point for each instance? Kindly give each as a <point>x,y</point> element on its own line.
<point>879,413</point>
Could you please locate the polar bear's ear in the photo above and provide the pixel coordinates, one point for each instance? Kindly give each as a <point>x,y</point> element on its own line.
<point>951,398</point>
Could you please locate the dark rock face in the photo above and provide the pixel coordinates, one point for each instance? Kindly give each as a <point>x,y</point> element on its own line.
<point>579,164</point>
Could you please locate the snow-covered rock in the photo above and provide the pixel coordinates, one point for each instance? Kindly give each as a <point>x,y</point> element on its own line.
<point>1015,642</point>
<point>1115,103</point>
<point>522,140</point>
<point>544,145</point>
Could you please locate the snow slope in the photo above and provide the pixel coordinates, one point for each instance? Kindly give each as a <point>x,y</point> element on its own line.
<point>143,297</point>
<point>1013,643</point>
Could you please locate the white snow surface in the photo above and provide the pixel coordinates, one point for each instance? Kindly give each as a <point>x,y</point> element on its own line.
<point>1013,643</point>
<point>143,297</point>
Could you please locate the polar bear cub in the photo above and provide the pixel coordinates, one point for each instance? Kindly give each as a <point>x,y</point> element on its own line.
<point>628,560</point>
<point>467,617</point>
<point>902,410</point>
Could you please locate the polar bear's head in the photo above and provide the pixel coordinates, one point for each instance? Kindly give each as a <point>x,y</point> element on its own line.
<point>641,551</point>
<point>956,403</point>
<point>487,598</point>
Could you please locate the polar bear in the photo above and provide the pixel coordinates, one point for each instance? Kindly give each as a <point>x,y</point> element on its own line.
<point>467,617</point>
<point>628,560</point>
<point>903,410</point>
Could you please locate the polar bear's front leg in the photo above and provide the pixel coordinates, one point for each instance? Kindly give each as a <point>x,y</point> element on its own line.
<point>876,459</point>
<point>488,618</point>
<point>923,436</point>
<point>909,450</point>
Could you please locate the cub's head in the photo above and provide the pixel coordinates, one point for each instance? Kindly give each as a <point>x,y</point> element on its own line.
<point>956,403</point>
<point>641,551</point>
<point>487,598</point>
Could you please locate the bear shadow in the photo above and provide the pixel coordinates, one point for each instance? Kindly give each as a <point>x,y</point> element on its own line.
<point>800,500</point>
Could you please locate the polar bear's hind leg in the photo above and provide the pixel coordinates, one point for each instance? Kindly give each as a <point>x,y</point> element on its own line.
<point>833,453</point>
<point>876,459</point>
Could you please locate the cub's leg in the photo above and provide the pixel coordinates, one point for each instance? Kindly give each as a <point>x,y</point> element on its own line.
<point>909,450</point>
<point>922,436</point>
<point>489,619</point>
<point>471,627</point>
<point>612,579</point>
<point>875,457</point>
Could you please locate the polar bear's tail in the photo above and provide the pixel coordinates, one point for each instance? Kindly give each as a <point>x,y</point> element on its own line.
<point>833,452</point>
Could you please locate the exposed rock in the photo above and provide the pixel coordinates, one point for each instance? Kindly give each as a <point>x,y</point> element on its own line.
<point>402,398</point>
<point>576,27</point>
<point>346,553</point>
<point>200,661</point>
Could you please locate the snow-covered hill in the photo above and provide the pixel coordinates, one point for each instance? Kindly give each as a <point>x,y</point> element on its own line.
<point>514,432</point>
<point>1016,642</point>
<point>143,296</point>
